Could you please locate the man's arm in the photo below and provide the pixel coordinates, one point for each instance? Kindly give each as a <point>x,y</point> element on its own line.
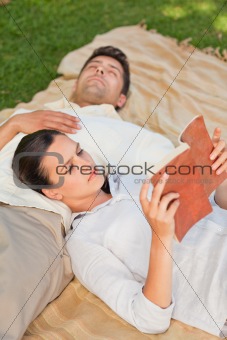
<point>37,120</point>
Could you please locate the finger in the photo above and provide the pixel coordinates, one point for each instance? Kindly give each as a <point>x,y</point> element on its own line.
<point>167,216</point>
<point>216,136</point>
<point>143,194</point>
<point>53,120</point>
<point>62,115</point>
<point>173,209</point>
<point>166,200</point>
<point>158,190</point>
<point>221,161</point>
<point>222,169</point>
<point>220,146</point>
<point>144,190</point>
<point>62,127</point>
<point>66,119</point>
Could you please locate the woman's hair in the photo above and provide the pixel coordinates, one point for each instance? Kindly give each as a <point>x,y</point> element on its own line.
<point>30,170</point>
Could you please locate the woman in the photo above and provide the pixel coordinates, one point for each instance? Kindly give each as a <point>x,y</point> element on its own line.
<point>143,276</point>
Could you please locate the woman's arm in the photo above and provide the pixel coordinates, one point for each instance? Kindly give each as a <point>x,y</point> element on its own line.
<point>221,195</point>
<point>37,120</point>
<point>7,132</point>
<point>160,215</point>
<point>148,307</point>
<point>102,273</point>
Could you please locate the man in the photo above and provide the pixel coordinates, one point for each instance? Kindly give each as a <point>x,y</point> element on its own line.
<point>104,79</point>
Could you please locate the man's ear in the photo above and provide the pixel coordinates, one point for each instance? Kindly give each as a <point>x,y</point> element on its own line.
<point>52,194</point>
<point>75,85</point>
<point>73,92</point>
<point>121,101</point>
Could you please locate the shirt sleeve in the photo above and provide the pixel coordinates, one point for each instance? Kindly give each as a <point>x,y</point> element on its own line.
<point>102,273</point>
<point>212,199</point>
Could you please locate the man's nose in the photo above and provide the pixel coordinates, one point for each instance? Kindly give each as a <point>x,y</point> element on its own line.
<point>100,70</point>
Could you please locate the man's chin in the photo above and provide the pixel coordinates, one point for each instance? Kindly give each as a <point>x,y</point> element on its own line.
<point>94,95</point>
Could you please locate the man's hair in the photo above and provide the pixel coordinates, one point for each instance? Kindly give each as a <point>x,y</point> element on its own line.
<point>30,170</point>
<point>117,54</point>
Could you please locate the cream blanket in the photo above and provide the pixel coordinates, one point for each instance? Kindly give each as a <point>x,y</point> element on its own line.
<point>170,85</point>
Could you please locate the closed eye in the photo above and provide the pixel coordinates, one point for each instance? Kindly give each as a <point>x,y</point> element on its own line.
<point>72,166</point>
<point>79,152</point>
<point>113,73</point>
<point>91,66</point>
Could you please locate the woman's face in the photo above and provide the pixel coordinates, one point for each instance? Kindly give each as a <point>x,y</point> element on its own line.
<point>81,184</point>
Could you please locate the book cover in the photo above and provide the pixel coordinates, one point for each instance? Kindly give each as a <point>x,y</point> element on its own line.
<point>191,175</point>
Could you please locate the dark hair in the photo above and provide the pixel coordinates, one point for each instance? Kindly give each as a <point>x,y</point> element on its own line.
<point>117,54</point>
<point>29,170</point>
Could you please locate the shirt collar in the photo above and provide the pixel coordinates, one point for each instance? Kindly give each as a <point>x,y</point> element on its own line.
<point>106,110</point>
<point>116,192</point>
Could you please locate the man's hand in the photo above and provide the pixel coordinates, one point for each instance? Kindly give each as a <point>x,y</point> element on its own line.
<point>44,119</point>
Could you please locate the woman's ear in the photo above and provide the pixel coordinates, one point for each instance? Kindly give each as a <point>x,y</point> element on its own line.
<point>52,194</point>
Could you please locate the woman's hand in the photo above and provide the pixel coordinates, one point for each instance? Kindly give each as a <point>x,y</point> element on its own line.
<point>219,153</point>
<point>37,120</point>
<point>160,210</point>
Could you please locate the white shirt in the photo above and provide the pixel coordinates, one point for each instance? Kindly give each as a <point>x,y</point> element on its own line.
<point>104,135</point>
<point>109,249</point>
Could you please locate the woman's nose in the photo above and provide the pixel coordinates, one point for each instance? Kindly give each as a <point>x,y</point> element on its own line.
<point>82,162</point>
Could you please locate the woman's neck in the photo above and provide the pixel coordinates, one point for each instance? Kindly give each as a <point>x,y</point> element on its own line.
<point>91,203</point>
<point>100,198</point>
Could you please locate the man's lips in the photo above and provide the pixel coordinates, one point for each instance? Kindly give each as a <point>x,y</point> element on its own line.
<point>97,79</point>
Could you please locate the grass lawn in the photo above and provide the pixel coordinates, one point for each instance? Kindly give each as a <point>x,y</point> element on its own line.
<point>36,34</point>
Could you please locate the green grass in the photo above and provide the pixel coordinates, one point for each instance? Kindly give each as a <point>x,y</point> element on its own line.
<point>36,34</point>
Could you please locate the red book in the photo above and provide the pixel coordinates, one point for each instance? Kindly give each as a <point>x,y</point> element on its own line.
<point>191,175</point>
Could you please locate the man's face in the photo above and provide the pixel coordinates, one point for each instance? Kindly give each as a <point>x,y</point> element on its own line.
<point>100,82</point>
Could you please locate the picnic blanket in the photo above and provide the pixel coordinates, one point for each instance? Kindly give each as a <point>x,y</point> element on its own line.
<point>171,84</point>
